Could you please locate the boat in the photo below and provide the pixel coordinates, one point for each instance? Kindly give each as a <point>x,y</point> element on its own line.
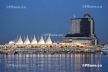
<point>105,49</point>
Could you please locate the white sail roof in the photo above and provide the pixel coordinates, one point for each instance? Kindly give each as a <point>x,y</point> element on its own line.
<point>49,41</point>
<point>34,41</point>
<point>27,41</point>
<point>11,42</point>
<point>20,41</point>
<point>41,41</point>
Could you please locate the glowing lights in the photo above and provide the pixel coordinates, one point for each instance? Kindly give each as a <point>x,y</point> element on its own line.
<point>34,41</point>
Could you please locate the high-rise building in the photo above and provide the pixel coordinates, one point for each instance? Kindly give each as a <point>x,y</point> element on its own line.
<point>75,26</point>
<point>87,25</point>
<point>82,31</point>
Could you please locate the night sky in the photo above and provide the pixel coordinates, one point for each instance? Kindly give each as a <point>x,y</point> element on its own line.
<point>22,17</point>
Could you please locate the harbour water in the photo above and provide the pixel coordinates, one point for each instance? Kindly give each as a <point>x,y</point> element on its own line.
<point>54,63</point>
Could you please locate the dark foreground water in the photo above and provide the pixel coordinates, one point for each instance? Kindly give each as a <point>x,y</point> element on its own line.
<point>54,63</point>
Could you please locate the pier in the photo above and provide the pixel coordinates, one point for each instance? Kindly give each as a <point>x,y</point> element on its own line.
<point>51,49</point>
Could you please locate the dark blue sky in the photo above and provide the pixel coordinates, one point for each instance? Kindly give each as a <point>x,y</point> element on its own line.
<point>22,17</point>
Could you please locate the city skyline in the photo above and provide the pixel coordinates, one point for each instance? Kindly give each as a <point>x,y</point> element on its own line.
<point>45,16</point>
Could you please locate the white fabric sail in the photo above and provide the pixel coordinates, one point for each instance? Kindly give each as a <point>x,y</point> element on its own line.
<point>34,41</point>
<point>11,42</point>
<point>49,41</point>
<point>27,41</point>
<point>41,41</point>
<point>20,41</point>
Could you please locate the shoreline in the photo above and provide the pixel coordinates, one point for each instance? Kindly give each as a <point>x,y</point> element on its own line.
<point>49,50</point>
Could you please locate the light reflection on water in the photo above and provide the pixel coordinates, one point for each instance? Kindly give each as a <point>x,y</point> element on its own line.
<point>49,63</point>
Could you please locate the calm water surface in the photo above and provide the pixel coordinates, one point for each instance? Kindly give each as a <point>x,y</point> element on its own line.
<point>53,63</point>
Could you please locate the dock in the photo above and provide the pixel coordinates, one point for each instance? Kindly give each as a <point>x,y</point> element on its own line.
<point>50,49</point>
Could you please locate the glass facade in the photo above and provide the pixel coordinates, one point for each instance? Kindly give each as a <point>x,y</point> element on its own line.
<point>85,26</point>
<point>82,28</point>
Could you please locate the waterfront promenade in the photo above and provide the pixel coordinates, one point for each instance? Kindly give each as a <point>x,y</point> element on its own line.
<point>52,49</point>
